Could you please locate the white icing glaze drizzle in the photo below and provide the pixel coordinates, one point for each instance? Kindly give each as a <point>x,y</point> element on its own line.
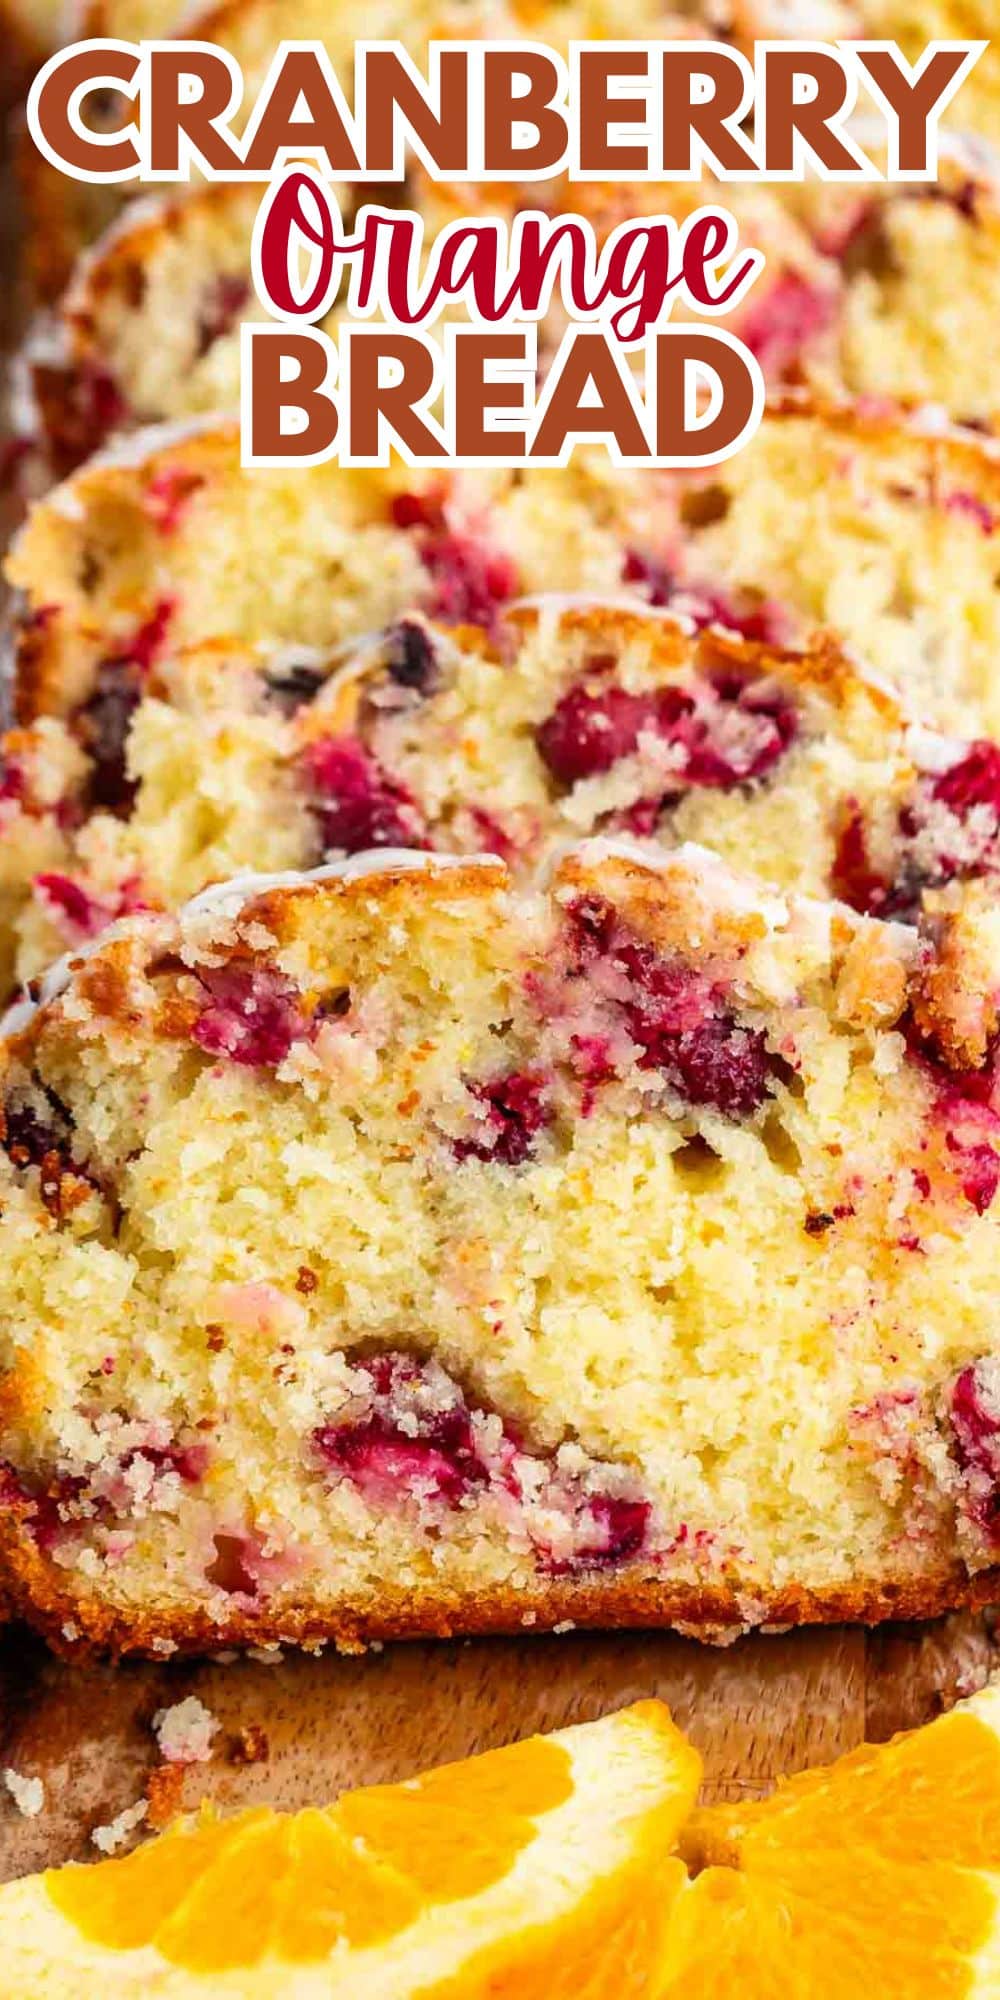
<point>227,899</point>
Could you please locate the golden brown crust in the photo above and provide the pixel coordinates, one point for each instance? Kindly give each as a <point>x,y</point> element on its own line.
<point>108,979</point>
<point>968,454</point>
<point>955,1003</point>
<point>871,985</point>
<point>823,665</point>
<point>76,1625</point>
<point>285,912</point>
<point>664,903</point>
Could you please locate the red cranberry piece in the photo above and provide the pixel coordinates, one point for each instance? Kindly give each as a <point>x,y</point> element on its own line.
<point>46,1518</point>
<point>253,1015</point>
<point>711,760</point>
<point>189,1461</point>
<point>976,1434</point>
<point>955,1088</point>
<point>223,302</point>
<point>82,912</point>
<point>641,818</point>
<point>977,1429</point>
<point>653,575</point>
<point>357,803</point>
<point>102,722</point>
<point>973,781</point>
<point>970,791</point>
<point>979,1171</point>
<point>591,728</point>
<point>147,643</point>
<point>169,494</point>
<point>491,836</point>
<point>12,780</point>
<point>853,878</point>
<point>678,1019</point>
<point>615,1532</point>
<point>975,509</point>
<point>597,722</point>
<point>517,1110</point>
<point>417,510</point>
<point>13,1491</point>
<point>471,581</point>
<point>376,1454</point>
<point>391,1371</point>
<point>620,1528</point>
<point>720,1065</point>
<point>791,314</point>
<point>590,1056</point>
<point>416,1436</point>
<point>755,619</point>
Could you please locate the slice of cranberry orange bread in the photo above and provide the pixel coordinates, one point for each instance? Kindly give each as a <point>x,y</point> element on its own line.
<point>886,531</point>
<point>396,1252</point>
<point>576,719</point>
<point>148,328</point>
<point>181,545</point>
<point>857,297</point>
<point>566,720</point>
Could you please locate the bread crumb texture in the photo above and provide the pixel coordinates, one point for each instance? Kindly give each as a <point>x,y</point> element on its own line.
<point>404,1247</point>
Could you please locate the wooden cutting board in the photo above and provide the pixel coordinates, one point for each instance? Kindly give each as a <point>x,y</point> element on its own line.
<point>295,1730</point>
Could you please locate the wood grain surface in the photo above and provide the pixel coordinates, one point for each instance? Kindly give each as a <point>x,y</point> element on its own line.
<point>297,1730</point>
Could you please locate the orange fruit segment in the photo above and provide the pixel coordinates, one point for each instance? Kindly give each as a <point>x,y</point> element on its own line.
<point>542,1870</point>
<point>550,1871</point>
<point>453,1848</point>
<point>931,1794</point>
<point>881,1871</point>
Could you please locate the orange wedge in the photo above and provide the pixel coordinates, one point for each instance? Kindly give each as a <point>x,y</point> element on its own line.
<point>541,1872</point>
<point>879,1875</point>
